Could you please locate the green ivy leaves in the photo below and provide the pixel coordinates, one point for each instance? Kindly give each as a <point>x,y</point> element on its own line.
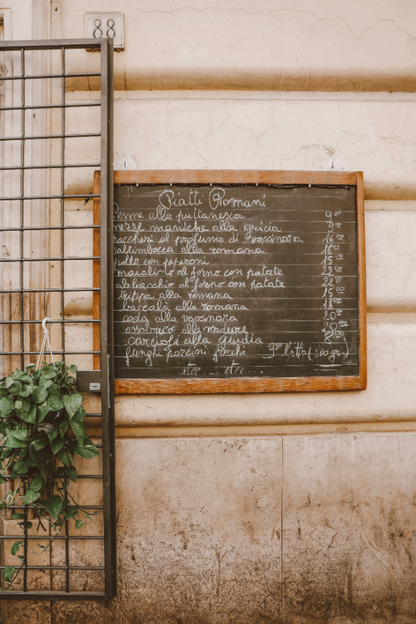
<point>54,404</point>
<point>30,416</point>
<point>87,450</point>
<point>41,423</point>
<point>72,403</point>
<point>39,395</point>
<point>19,468</point>
<point>53,505</point>
<point>8,574</point>
<point>30,497</point>
<point>65,456</point>
<point>16,547</point>
<point>36,483</point>
<point>79,431</point>
<point>6,405</point>
<point>14,440</point>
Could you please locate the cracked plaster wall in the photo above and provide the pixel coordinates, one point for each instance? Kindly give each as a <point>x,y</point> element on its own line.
<point>299,530</point>
<point>190,130</point>
<point>274,132</point>
<point>355,132</point>
<point>269,44</point>
<point>373,133</point>
<point>200,518</point>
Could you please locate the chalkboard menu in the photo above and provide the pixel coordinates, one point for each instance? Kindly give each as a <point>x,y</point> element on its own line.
<point>238,282</point>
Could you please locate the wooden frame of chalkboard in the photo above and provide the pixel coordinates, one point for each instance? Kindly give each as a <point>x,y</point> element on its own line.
<point>321,214</point>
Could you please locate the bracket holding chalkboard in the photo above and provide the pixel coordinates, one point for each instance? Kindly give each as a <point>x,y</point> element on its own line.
<point>237,281</point>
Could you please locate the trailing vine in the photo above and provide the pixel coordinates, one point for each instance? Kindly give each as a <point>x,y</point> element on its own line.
<point>41,424</point>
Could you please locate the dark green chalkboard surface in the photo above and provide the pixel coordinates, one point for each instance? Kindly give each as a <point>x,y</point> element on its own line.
<point>238,282</point>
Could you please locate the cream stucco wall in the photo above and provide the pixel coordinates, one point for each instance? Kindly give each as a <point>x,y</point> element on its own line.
<point>264,508</point>
<point>285,44</point>
<point>368,132</point>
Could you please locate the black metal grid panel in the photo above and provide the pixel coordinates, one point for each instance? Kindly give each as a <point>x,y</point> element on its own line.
<point>36,232</point>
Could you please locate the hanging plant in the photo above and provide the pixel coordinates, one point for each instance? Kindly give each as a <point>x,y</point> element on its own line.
<point>41,423</point>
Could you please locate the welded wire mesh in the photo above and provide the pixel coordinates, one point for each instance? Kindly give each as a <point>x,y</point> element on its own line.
<point>55,131</point>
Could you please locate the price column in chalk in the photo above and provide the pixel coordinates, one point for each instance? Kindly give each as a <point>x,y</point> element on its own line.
<point>332,283</point>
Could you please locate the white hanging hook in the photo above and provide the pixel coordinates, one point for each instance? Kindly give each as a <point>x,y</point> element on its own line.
<point>45,320</point>
<point>45,343</point>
